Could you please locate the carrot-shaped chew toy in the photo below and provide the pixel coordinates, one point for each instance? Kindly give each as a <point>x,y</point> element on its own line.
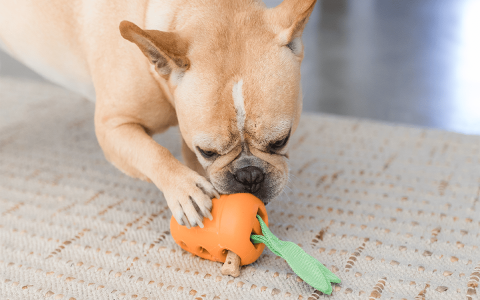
<point>237,235</point>
<point>234,220</point>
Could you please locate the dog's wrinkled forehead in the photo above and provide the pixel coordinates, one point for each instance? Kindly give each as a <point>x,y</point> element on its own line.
<point>243,119</point>
<point>245,82</point>
<point>266,120</point>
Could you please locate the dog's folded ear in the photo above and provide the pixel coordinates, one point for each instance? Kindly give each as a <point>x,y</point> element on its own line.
<point>290,18</point>
<point>165,50</point>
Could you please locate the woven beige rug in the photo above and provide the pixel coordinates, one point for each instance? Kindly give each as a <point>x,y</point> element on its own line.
<point>393,211</point>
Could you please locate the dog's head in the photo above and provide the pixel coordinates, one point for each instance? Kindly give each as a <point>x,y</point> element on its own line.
<point>233,70</point>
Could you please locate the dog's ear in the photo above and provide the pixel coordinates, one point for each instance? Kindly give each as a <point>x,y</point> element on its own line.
<point>165,50</point>
<point>290,18</point>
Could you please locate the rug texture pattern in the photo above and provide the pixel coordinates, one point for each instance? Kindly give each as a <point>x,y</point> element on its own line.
<point>393,211</point>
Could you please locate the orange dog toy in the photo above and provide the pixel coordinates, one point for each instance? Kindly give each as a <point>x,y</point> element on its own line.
<point>234,220</point>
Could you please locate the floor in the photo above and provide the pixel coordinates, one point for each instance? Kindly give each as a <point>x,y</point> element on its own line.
<point>401,61</point>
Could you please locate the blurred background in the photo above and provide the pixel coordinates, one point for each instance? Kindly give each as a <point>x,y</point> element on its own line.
<point>402,61</point>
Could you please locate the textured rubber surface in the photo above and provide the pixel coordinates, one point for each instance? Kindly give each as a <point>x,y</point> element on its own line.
<point>234,219</point>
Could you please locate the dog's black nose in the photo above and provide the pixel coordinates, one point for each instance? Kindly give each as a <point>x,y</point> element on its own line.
<point>251,177</point>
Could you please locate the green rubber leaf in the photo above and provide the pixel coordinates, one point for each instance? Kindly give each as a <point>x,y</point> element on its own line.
<point>304,265</point>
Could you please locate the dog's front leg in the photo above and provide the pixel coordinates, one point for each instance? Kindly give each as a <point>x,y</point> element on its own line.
<point>131,106</point>
<point>128,146</point>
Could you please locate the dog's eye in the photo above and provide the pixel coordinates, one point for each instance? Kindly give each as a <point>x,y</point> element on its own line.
<point>279,144</point>
<point>295,46</point>
<point>291,45</point>
<point>206,153</point>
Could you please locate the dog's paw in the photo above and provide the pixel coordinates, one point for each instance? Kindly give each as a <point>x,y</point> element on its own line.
<point>189,197</point>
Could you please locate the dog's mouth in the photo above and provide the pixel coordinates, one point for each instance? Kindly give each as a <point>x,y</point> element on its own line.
<point>264,177</point>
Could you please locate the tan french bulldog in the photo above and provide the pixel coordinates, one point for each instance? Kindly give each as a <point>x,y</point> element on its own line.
<point>226,71</point>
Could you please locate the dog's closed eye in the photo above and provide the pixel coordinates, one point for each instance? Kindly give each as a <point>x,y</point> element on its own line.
<point>278,145</point>
<point>295,46</point>
<point>207,153</point>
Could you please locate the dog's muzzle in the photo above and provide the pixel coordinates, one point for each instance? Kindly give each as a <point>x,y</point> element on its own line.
<point>250,177</point>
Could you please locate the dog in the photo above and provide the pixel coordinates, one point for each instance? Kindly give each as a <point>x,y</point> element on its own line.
<point>227,72</point>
